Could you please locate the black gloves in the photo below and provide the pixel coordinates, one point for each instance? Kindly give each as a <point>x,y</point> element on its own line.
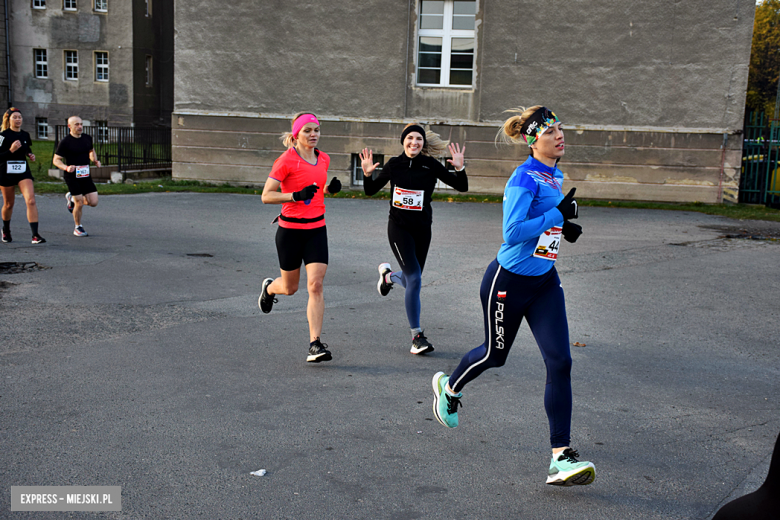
<point>568,206</point>
<point>306,193</point>
<point>334,186</point>
<point>571,231</point>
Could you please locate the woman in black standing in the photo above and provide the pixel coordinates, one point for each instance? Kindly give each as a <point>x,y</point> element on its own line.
<point>412,176</point>
<point>14,171</point>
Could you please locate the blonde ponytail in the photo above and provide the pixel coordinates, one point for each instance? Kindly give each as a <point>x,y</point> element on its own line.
<point>510,133</point>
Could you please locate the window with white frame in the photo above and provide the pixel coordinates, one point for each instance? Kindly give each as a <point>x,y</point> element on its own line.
<point>69,5</point>
<point>71,65</point>
<point>39,4</point>
<point>357,169</point>
<point>41,63</point>
<point>445,43</point>
<point>101,6</point>
<point>101,66</point>
<point>102,131</point>
<point>148,71</point>
<point>41,128</point>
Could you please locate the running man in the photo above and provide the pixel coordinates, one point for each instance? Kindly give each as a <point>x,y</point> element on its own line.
<point>301,172</point>
<point>73,156</point>
<point>522,283</point>
<point>412,176</point>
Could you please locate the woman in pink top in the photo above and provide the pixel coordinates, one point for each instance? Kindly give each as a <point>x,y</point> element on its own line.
<point>294,182</point>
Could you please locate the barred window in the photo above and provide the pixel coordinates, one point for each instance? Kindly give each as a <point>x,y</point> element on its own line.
<point>101,66</point>
<point>41,63</point>
<point>72,65</point>
<point>102,131</point>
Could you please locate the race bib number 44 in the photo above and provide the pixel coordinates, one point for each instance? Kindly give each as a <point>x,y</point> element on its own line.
<point>16,167</point>
<point>548,244</point>
<point>408,199</point>
<point>82,171</point>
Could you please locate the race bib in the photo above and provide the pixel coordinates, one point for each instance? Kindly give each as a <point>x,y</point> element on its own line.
<point>408,199</point>
<point>548,244</point>
<point>16,167</point>
<point>82,171</point>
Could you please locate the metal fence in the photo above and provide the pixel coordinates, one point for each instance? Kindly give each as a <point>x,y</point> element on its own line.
<point>128,148</point>
<point>759,182</point>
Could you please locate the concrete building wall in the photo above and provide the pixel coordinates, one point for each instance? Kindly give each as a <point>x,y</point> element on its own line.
<point>3,56</point>
<point>123,31</point>
<point>652,94</point>
<point>85,31</point>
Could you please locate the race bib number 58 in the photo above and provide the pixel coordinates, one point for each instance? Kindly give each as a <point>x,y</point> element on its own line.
<point>548,244</point>
<point>408,199</point>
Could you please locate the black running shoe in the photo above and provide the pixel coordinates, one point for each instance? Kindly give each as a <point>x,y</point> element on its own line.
<point>421,345</point>
<point>266,301</point>
<point>38,239</point>
<point>7,236</point>
<point>382,285</point>
<point>318,352</point>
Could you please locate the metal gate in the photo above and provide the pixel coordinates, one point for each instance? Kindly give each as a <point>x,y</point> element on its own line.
<point>759,182</point>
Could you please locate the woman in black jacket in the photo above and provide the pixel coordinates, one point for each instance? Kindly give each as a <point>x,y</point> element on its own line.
<point>14,171</point>
<point>412,176</point>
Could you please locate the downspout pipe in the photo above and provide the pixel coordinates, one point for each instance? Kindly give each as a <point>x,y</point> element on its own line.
<point>8,54</point>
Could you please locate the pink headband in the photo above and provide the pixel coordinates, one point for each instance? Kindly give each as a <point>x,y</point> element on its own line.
<point>302,121</point>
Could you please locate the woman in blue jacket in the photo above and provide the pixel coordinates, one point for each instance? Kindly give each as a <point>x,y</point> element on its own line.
<point>522,283</point>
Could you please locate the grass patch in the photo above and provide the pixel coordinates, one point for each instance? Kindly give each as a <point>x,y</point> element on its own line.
<point>44,151</point>
<point>735,211</point>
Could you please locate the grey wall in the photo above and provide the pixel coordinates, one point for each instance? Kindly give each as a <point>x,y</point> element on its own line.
<point>650,92</point>
<point>85,31</point>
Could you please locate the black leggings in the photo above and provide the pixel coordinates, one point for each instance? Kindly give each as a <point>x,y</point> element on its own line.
<point>410,247</point>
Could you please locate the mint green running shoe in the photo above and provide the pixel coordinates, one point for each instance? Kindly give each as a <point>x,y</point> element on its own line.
<point>445,406</point>
<point>566,470</point>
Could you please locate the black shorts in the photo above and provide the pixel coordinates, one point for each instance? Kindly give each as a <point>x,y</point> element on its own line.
<point>301,245</point>
<point>80,186</point>
<point>8,180</point>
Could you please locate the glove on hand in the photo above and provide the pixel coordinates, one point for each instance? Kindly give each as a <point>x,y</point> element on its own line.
<point>334,186</point>
<point>571,231</point>
<point>568,206</point>
<point>306,193</point>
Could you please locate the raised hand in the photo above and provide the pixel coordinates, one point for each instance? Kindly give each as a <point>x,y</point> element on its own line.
<point>366,158</point>
<point>457,155</point>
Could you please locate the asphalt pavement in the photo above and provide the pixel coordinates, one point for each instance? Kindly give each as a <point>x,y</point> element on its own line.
<point>137,357</point>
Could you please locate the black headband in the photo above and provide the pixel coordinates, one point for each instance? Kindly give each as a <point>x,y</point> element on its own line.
<point>414,128</point>
<point>539,122</point>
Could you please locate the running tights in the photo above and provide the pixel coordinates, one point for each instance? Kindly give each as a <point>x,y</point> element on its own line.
<point>506,299</point>
<point>410,248</point>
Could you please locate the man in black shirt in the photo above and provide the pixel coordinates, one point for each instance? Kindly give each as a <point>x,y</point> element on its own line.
<point>76,150</point>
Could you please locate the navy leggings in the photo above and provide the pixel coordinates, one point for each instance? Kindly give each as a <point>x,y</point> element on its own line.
<point>506,299</point>
<point>410,248</point>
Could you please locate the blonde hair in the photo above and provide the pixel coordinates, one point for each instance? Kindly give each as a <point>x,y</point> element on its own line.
<point>7,118</point>
<point>287,138</point>
<point>510,133</point>
<point>435,146</point>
